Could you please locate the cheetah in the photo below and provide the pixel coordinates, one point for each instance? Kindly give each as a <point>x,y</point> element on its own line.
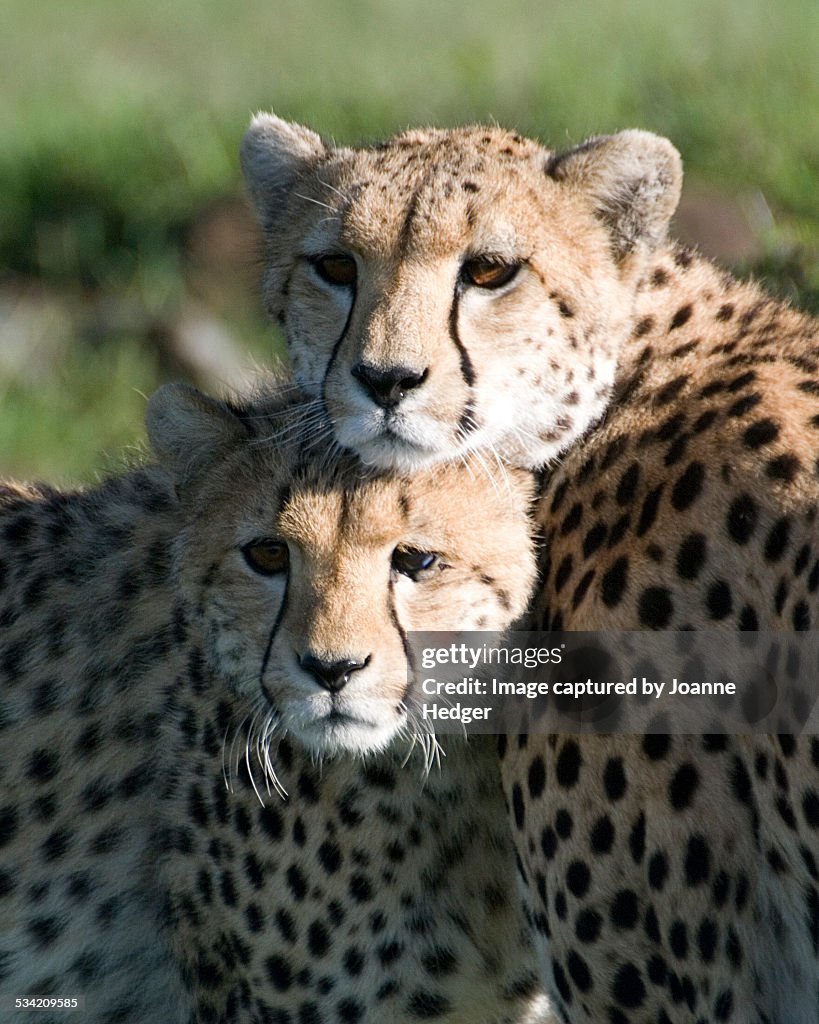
<point>448,291</point>
<point>675,878</point>
<point>211,806</point>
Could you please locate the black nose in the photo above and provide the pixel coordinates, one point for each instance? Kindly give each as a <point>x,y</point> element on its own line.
<point>332,675</point>
<point>387,387</point>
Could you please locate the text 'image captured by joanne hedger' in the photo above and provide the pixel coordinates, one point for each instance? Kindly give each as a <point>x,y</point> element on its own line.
<point>615,682</point>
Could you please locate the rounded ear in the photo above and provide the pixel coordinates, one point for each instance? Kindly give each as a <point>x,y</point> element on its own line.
<point>188,431</point>
<point>273,154</point>
<point>633,178</point>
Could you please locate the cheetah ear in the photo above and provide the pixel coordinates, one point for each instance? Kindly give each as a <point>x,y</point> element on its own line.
<point>273,154</point>
<point>188,431</point>
<point>634,179</point>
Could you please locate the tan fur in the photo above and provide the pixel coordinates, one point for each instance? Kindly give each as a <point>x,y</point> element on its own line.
<point>691,504</point>
<point>525,369</point>
<point>149,859</point>
<point>343,601</point>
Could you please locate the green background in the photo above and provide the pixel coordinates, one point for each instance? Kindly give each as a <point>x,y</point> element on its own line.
<point>122,232</point>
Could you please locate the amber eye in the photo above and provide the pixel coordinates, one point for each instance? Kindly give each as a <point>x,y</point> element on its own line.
<point>267,557</point>
<point>413,563</point>
<point>338,270</point>
<point>484,273</point>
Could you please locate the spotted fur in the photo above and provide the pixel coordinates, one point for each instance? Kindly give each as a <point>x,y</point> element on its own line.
<point>670,879</point>
<point>149,857</point>
<point>405,353</point>
<point>675,878</point>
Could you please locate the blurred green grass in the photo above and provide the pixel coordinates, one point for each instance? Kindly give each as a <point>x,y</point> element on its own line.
<point>120,122</point>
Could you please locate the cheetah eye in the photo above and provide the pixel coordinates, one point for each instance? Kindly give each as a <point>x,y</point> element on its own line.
<point>266,557</point>
<point>337,270</point>
<point>414,563</point>
<point>488,273</point>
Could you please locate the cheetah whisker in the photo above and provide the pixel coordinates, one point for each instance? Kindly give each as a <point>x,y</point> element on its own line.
<point>309,199</point>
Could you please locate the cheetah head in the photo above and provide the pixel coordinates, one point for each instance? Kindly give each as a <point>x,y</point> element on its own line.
<point>304,572</point>
<point>453,290</point>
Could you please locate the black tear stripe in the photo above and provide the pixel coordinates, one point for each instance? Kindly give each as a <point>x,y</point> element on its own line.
<point>467,369</point>
<point>337,346</point>
<point>272,637</point>
<point>402,634</point>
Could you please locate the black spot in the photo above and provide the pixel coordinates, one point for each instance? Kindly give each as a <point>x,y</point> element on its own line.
<point>428,1005</point>
<point>637,838</point>
<point>627,486</point>
<point>742,518</point>
<point>810,808</point>
<point>439,962</point>
<point>279,973</point>
<point>656,745</point>
<point>593,539</point>
<point>777,540</point>
<point>271,822</point>
<point>318,939</point>
<point>296,882</point>
<point>350,1011</point>
<point>568,764</point>
<point>45,930</point>
<point>628,987</point>
<point>648,513</point>
<point>744,404</point>
<point>624,909</point>
<point>618,531</point>
<point>572,520</point>
<point>784,468</point>
<point>548,842</point>
<point>703,421</point>
<point>253,871</point>
<point>682,316</point>
<point>588,924</point>
<point>678,940</point>
<point>564,570</point>
<point>613,452</point>
<point>353,962</point>
<point>668,392</point>
<point>655,607</point>
<point>614,778</point>
<point>578,878</point>
<point>582,587</point>
<point>657,870</point>
<point>537,777</point>
<point>329,856</point>
<point>801,616</point>
<point>691,556</point>
<point>517,805</point>
<point>601,837</point>
<point>724,1005</point>
<point>683,786</point>
<point>652,925</point>
<point>697,860</point>
<point>761,432</point>
<point>579,971</point>
<point>719,600</point>
<point>43,765</point>
<point>614,582</point>
<point>687,489</point>
<point>561,982</point>
<point>360,888</point>
<point>563,823</point>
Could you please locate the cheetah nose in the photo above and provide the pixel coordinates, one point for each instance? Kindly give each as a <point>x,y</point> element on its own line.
<point>332,675</point>
<point>387,387</point>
